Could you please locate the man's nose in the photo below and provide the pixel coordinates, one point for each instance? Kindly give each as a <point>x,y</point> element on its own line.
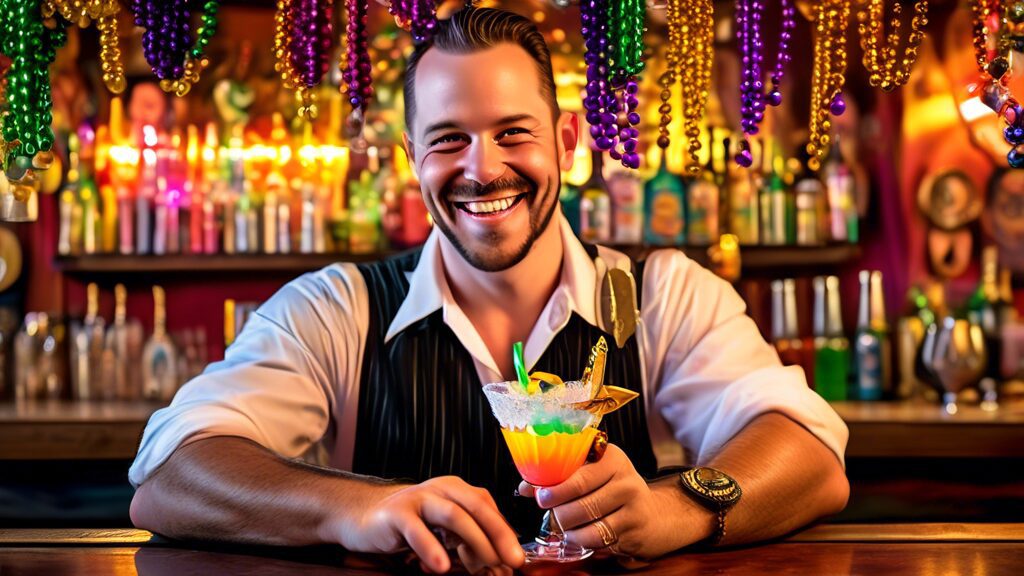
<point>484,163</point>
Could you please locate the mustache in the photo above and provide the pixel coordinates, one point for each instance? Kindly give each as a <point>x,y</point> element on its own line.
<point>470,190</point>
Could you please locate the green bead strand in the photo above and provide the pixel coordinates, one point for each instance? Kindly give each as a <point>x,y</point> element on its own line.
<point>32,47</point>
<point>626,36</point>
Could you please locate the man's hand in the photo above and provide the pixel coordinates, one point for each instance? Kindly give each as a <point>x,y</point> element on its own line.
<point>607,504</point>
<point>404,515</point>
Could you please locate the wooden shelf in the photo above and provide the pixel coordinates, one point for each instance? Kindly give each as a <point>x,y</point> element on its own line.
<point>201,263</point>
<point>921,430</point>
<point>56,430</point>
<point>755,258</point>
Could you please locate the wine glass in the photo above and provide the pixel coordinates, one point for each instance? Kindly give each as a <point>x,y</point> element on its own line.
<point>958,358</point>
<point>549,438</point>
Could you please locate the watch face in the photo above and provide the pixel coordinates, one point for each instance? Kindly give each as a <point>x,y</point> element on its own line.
<point>712,478</point>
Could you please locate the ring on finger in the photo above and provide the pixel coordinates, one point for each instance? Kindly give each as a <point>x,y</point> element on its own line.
<point>591,508</point>
<point>608,536</point>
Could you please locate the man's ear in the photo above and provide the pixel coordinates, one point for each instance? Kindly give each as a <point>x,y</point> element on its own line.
<point>410,152</point>
<point>567,132</point>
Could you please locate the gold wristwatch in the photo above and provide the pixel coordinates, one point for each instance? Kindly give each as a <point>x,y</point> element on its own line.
<point>715,490</point>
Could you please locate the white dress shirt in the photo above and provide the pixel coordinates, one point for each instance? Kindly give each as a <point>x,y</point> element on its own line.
<point>291,379</point>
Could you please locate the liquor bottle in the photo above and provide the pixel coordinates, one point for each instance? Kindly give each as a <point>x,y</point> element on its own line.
<point>120,354</point>
<point>208,239</point>
<point>840,190</point>
<point>627,195</point>
<point>702,196</point>
<point>785,329</point>
<point>69,199</point>
<point>147,191</point>
<point>779,199</point>
<point>50,357</point>
<point>664,200</point>
<point>159,357</point>
<point>986,310</point>
<point>26,351</point>
<point>88,193</point>
<point>569,198</point>
<point>87,349</point>
<point>1007,308</point>
<point>831,347</point>
<point>871,346</point>
<point>595,204</point>
<point>809,207</point>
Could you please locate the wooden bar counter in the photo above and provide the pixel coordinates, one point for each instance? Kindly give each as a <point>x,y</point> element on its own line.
<point>833,549</point>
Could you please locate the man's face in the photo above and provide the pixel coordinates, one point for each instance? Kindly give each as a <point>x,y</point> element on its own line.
<point>487,152</point>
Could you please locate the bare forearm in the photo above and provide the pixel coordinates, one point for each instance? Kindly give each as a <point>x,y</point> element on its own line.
<point>231,489</point>
<point>789,479</point>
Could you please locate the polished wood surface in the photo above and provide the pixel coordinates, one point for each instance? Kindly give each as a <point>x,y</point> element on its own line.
<point>878,550</point>
<point>53,430</point>
<point>922,430</point>
<point>773,259</point>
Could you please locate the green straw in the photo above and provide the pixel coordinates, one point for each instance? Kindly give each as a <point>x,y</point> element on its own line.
<point>520,364</point>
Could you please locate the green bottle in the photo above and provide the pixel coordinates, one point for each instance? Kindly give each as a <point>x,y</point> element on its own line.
<point>831,347</point>
<point>664,196</point>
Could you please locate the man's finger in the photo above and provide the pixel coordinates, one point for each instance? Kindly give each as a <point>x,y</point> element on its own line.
<point>423,543</point>
<point>590,507</point>
<point>481,506</point>
<point>453,517</point>
<point>602,533</point>
<point>526,489</point>
<point>588,478</point>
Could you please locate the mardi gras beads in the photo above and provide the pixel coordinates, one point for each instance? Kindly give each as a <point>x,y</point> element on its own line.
<point>419,17</point>
<point>302,41</point>
<point>754,96</point>
<point>32,47</point>
<point>831,18</point>
<point>166,42</point>
<point>104,14</point>
<point>885,70</point>
<point>356,66</point>
<point>695,77</point>
<point>614,48</point>
<point>994,92</point>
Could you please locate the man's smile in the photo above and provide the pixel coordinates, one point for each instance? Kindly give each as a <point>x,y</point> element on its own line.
<point>491,207</point>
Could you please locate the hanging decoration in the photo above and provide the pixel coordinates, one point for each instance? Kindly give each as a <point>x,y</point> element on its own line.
<point>167,44</point>
<point>696,50</point>
<point>831,18</point>
<point>419,17</point>
<point>356,67</point>
<point>302,42</point>
<point>104,14</point>
<point>32,47</point>
<point>885,69</point>
<point>753,94</point>
<point>989,19</point>
<point>688,57</point>
<point>613,38</point>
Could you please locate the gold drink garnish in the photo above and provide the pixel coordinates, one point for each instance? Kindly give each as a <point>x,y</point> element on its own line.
<point>604,399</point>
<point>594,373</point>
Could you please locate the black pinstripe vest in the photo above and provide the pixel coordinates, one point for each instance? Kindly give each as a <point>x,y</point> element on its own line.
<point>422,412</point>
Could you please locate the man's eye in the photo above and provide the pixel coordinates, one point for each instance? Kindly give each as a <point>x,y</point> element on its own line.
<point>512,135</point>
<point>447,139</point>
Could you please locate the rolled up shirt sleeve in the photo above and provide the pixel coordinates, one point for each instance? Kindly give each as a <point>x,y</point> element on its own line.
<point>279,382</point>
<point>713,372</point>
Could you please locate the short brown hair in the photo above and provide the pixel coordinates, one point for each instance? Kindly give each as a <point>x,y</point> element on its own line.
<point>473,29</point>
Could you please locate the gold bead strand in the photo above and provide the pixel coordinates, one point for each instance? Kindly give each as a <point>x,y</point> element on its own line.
<point>885,69</point>
<point>697,51</point>
<point>669,76</point>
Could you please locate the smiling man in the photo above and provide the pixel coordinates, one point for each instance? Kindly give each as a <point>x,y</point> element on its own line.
<point>382,365</point>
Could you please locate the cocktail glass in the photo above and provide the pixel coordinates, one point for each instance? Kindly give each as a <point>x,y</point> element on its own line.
<point>549,439</point>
